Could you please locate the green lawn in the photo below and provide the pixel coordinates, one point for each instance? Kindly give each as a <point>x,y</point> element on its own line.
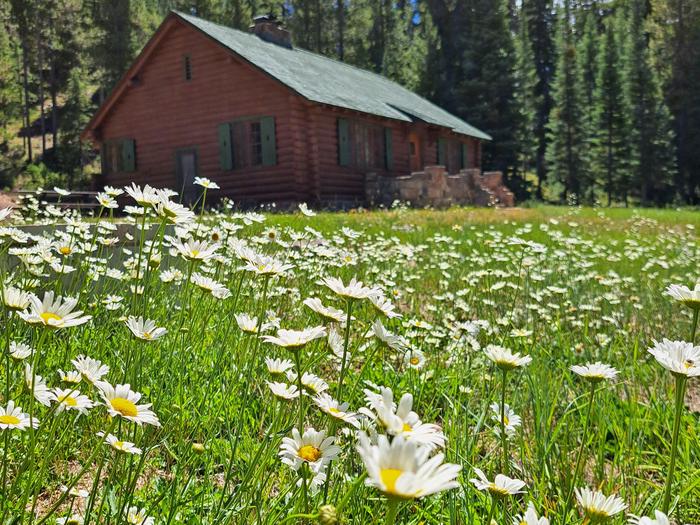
<point>562,286</point>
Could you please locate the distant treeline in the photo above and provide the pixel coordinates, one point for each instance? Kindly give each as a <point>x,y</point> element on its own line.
<point>586,100</point>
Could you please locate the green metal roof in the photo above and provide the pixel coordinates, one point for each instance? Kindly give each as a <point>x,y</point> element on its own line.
<point>327,81</point>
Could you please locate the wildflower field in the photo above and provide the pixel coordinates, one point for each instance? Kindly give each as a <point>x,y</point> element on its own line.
<point>160,365</point>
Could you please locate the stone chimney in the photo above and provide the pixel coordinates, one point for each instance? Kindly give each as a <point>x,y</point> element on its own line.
<point>268,28</point>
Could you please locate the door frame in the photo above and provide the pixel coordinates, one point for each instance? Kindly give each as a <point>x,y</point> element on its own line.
<point>179,176</point>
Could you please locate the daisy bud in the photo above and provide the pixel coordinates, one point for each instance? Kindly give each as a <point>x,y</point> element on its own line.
<point>198,448</point>
<point>327,515</point>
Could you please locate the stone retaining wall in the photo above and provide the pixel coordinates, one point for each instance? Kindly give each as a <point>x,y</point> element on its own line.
<point>435,187</point>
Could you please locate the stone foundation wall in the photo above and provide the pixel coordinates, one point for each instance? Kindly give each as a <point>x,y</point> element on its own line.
<point>435,187</point>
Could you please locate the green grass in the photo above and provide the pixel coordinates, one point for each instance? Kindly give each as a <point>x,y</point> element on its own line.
<point>586,286</point>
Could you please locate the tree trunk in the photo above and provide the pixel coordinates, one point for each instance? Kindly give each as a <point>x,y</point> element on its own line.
<point>25,87</point>
<point>42,117</point>
<point>340,14</point>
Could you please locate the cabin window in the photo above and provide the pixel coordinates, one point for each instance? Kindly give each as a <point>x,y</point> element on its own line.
<point>187,67</point>
<point>118,156</point>
<point>363,145</point>
<point>247,143</point>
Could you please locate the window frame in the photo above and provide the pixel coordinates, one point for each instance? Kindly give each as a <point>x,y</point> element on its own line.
<point>367,145</point>
<point>247,154</point>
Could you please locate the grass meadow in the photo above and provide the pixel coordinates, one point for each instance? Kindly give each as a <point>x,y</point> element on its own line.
<point>216,322</point>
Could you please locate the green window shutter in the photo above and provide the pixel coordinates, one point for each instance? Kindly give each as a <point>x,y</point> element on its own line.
<point>464,157</point>
<point>269,147</point>
<point>128,155</point>
<point>225,147</point>
<point>441,151</point>
<point>388,150</point>
<point>343,142</point>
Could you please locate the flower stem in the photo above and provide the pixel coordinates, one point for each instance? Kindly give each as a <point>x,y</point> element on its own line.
<point>504,439</point>
<point>297,364</point>
<point>696,312</point>
<point>392,511</point>
<point>680,396</point>
<point>345,351</point>
<point>579,455</point>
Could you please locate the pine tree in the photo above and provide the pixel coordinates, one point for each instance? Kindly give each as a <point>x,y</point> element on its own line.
<point>473,73</point>
<point>541,20</point>
<point>587,64</point>
<point>676,39</point>
<point>650,137</point>
<point>74,118</point>
<point>526,100</point>
<point>610,151</point>
<point>564,151</point>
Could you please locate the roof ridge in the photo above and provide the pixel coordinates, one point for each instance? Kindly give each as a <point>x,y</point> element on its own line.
<point>379,101</point>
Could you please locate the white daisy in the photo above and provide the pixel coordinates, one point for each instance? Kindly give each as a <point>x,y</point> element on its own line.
<point>136,516</point>
<point>505,359</point>
<point>336,409</point>
<point>54,313</point>
<point>20,351</point>
<point>73,376</point>
<point>678,357</point>
<point>597,506</point>
<point>12,418</point>
<point>206,183</point>
<point>71,399</point>
<point>264,265</point>
<point>511,420</point>
<point>401,420</point>
<point>16,299</point>
<point>73,519</point>
<point>499,487</point>
<point>385,306</point>
<point>122,401</point>
<point>354,290</point>
<point>41,392</point>
<point>91,369</point>
<point>122,446</point>
<point>414,359</point>
<point>193,250</point>
<point>530,517</point>
<point>294,339</point>
<point>403,469</point>
<point>145,329</point>
<point>283,390</point>
<point>659,519</point>
<point>685,296</point>
<point>595,372</point>
<point>330,313</point>
<point>278,367</point>
<point>313,448</point>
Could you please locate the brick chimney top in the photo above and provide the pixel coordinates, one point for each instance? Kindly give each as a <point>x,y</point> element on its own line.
<point>268,28</point>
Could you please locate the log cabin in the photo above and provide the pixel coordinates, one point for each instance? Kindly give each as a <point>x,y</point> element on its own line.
<point>266,121</point>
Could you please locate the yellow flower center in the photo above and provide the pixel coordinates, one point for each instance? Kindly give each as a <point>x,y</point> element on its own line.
<point>65,250</point>
<point>389,477</point>
<point>194,253</point>
<point>334,410</point>
<point>407,427</point>
<point>496,490</point>
<point>119,445</point>
<point>125,407</point>
<point>8,419</point>
<point>415,361</point>
<point>46,316</point>
<point>506,421</point>
<point>69,400</point>
<point>309,453</point>
<point>147,335</point>
<point>688,363</point>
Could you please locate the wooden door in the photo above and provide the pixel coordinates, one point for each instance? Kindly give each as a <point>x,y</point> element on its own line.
<point>186,169</point>
<point>414,146</point>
